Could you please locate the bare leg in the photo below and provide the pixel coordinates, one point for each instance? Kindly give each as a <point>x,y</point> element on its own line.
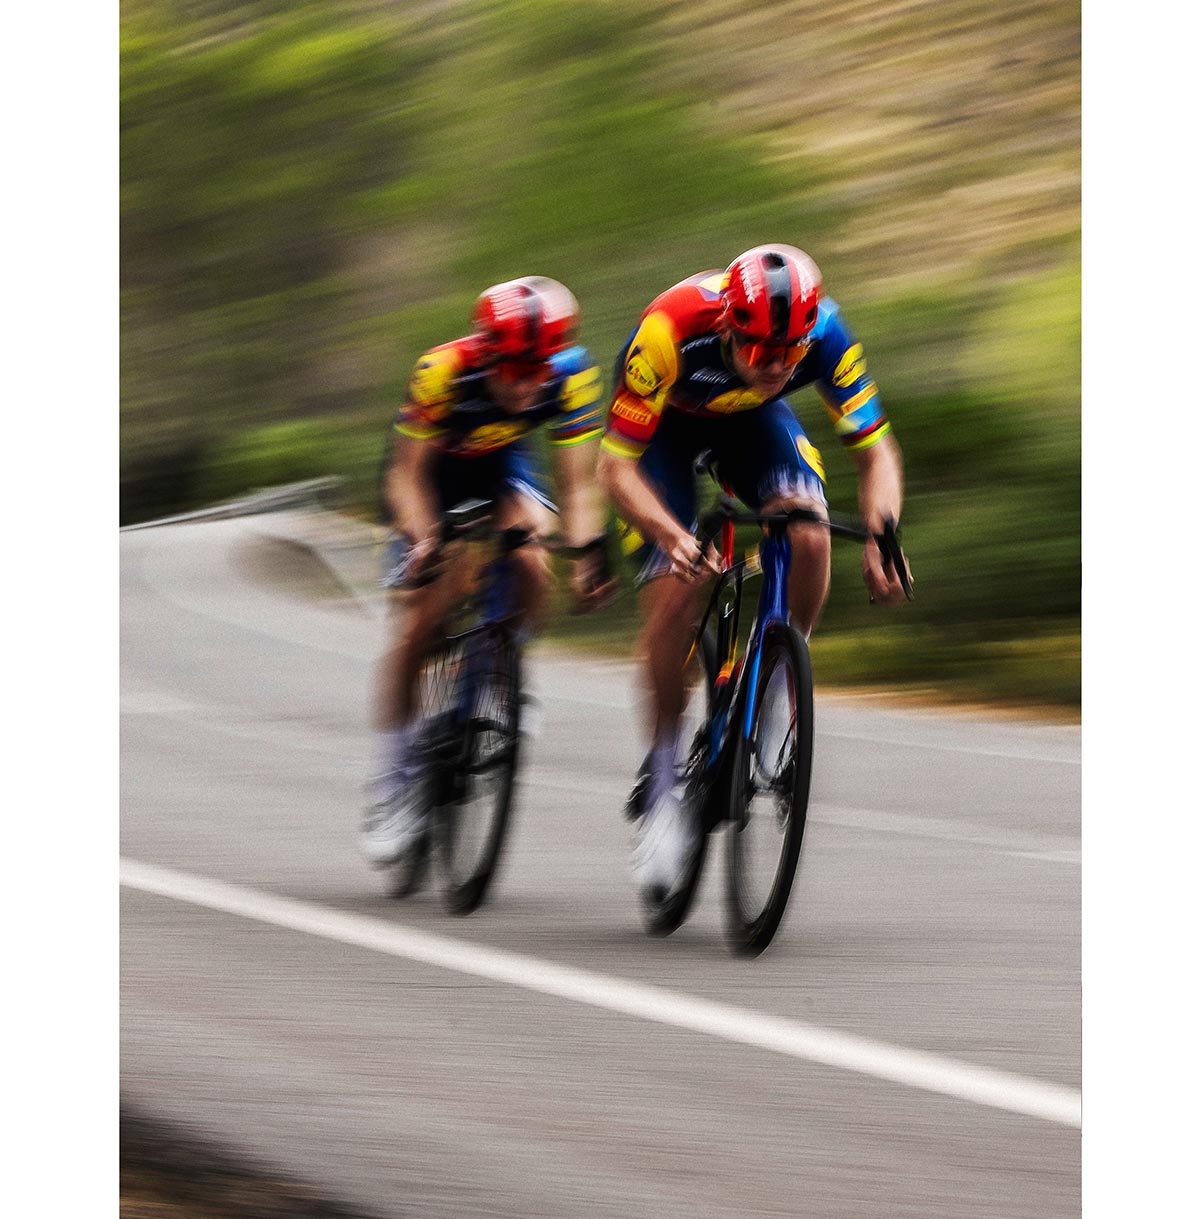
<point>415,622</point>
<point>531,563</point>
<point>669,610</point>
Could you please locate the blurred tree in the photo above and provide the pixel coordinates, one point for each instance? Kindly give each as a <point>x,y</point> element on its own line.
<point>313,193</point>
<point>243,151</point>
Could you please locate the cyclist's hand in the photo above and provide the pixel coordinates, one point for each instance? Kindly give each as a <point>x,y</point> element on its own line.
<point>592,581</point>
<point>424,562</point>
<point>688,562</point>
<point>592,588</point>
<point>882,581</point>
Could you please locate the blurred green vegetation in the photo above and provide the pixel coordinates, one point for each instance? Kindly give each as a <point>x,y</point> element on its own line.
<point>313,193</point>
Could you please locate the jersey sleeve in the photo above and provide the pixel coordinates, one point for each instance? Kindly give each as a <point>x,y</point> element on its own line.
<point>650,368</point>
<point>430,396</point>
<point>580,415</point>
<point>847,390</point>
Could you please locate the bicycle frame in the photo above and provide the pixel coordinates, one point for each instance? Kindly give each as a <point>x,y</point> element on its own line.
<point>494,602</point>
<point>736,685</point>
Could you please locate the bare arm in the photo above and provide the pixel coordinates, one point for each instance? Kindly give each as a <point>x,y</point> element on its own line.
<point>880,482</point>
<point>578,495</point>
<point>880,497</point>
<point>638,503</point>
<point>582,509</point>
<point>409,488</point>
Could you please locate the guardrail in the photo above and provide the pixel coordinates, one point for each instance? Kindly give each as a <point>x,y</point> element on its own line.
<point>270,499</point>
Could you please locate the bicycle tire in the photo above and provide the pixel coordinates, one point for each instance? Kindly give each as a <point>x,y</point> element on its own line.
<point>752,923</point>
<point>664,914</point>
<point>407,875</point>
<point>490,744</point>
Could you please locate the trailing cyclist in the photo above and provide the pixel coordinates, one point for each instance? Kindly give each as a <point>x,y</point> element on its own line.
<point>463,433</point>
<point>708,367</point>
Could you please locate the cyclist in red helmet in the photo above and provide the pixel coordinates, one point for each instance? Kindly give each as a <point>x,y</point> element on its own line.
<point>709,366</point>
<point>463,433</point>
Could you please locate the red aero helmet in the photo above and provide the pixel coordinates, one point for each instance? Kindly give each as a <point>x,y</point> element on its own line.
<point>525,320</point>
<point>771,293</point>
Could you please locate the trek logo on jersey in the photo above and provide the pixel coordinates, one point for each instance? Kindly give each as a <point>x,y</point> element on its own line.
<point>640,373</point>
<point>714,376</point>
<point>640,415</point>
<point>850,367</point>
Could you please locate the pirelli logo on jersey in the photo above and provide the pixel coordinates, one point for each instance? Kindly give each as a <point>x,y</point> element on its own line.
<point>640,374</point>
<point>634,412</point>
<point>850,367</point>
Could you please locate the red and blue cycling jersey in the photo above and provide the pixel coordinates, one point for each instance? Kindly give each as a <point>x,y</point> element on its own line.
<point>676,361</point>
<point>448,404</point>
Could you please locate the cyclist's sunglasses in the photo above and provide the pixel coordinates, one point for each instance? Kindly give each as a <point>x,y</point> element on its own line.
<point>510,371</point>
<point>758,353</point>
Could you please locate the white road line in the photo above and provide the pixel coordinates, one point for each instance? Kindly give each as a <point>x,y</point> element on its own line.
<point>1051,848</point>
<point>165,584</point>
<point>350,748</point>
<point>1055,848</point>
<point>913,1068</point>
<point>627,705</point>
<point>987,751</point>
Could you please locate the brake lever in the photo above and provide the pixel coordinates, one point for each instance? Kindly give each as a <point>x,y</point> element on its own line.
<point>713,519</point>
<point>893,556</point>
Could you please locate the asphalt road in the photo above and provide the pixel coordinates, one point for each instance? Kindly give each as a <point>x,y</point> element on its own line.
<point>909,1046</point>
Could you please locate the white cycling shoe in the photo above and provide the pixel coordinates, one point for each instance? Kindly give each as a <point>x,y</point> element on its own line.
<point>663,844</point>
<point>393,824</point>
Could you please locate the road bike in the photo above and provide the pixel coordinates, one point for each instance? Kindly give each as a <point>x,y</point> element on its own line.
<point>469,739</point>
<point>470,697</point>
<point>748,763</point>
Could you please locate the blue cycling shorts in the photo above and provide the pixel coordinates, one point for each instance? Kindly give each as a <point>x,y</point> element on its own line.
<point>512,470</point>
<point>761,454</point>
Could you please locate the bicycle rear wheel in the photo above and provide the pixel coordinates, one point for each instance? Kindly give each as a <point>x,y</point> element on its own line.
<point>769,793</point>
<point>472,821</point>
<point>664,913</point>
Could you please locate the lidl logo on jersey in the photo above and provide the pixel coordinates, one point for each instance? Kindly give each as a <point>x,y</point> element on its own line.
<point>431,380</point>
<point>850,367</point>
<point>640,374</point>
<point>810,456</point>
<point>582,389</point>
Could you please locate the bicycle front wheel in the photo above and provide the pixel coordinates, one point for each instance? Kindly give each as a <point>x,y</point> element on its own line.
<point>473,820</point>
<point>662,913</point>
<point>769,787</point>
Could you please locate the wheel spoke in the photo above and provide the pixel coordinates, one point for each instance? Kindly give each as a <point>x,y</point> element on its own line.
<point>764,843</point>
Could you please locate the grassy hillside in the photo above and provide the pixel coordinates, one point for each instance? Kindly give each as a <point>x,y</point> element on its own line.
<point>313,193</point>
